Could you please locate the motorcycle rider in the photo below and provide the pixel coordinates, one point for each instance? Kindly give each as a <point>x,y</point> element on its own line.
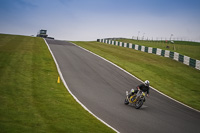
<point>144,87</point>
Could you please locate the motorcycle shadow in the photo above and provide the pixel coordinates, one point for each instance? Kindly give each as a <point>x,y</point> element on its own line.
<point>141,108</point>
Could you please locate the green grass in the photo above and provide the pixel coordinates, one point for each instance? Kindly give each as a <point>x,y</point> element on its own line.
<point>31,100</point>
<point>191,49</point>
<point>173,78</point>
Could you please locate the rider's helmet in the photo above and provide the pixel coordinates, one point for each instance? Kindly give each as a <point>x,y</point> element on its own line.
<point>147,83</point>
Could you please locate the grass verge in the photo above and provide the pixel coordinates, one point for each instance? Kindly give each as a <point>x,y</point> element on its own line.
<point>191,49</point>
<point>173,78</point>
<point>31,100</point>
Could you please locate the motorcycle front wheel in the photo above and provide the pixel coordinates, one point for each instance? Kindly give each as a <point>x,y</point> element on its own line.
<point>138,104</point>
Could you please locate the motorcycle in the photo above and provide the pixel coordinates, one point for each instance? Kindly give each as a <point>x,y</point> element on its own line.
<point>137,99</point>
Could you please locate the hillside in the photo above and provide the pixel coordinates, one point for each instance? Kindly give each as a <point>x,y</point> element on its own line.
<point>31,99</point>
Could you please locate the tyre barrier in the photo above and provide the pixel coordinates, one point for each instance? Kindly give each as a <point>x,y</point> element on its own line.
<point>165,53</point>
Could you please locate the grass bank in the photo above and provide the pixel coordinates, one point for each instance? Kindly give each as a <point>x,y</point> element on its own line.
<point>191,49</point>
<point>173,78</point>
<point>31,100</point>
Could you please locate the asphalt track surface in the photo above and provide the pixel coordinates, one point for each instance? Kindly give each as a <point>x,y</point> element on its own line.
<point>101,87</point>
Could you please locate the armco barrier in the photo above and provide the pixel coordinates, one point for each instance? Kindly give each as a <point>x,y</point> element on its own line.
<point>166,53</point>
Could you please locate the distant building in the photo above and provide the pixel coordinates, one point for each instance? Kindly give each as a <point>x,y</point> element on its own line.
<point>42,33</point>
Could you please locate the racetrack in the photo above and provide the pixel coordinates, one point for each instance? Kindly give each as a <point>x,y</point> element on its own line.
<point>101,87</point>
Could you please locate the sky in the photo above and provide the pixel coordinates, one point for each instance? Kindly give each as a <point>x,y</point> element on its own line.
<point>88,20</point>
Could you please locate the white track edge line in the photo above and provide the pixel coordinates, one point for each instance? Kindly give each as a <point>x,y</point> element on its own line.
<point>137,78</point>
<point>66,86</point>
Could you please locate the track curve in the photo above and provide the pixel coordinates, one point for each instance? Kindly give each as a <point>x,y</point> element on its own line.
<point>101,87</point>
